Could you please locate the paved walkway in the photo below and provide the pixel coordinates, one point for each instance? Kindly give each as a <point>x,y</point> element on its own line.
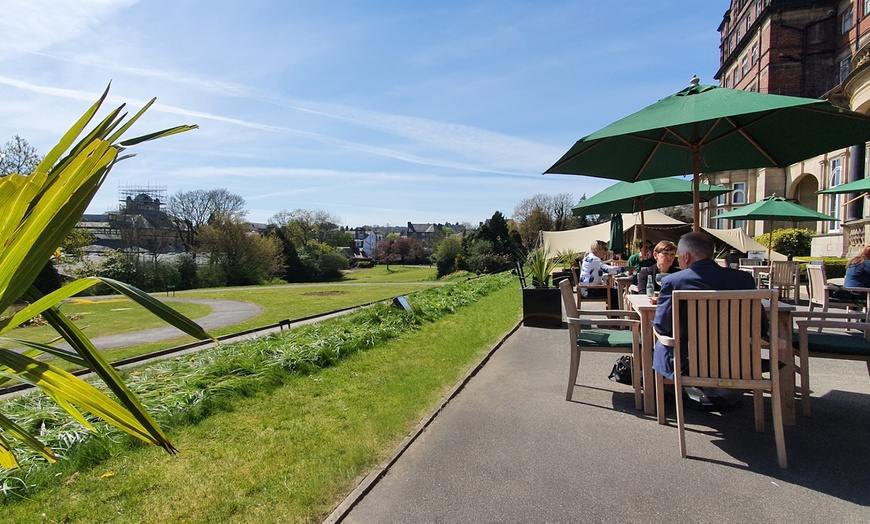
<point>509,448</point>
<point>223,313</point>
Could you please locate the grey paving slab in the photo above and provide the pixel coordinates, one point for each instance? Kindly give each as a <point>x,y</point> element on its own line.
<point>509,448</point>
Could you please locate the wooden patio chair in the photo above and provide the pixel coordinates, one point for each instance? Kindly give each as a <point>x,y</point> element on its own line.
<point>603,331</point>
<point>581,287</point>
<point>832,340</point>
<point>820,291</point>
<point>752,262</point>
<point>724,351</point>
<point>784,276</point>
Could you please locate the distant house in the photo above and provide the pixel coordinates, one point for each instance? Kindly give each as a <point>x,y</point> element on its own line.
<point>426,233</point>
<point>365,239</point>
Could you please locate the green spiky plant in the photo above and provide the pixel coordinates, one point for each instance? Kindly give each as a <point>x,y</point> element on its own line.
<point>539,265</point>
<point>39,211</point>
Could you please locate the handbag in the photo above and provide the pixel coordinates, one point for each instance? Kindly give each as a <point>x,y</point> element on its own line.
<point>621,371</point>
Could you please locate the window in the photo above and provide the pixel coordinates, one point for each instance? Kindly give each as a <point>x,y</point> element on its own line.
<point>755,53</point>
<point>835,202</point>
<point>738,224</point>
<point>721,200</point>
<point>846,19</point>
<point>736,76</point>
<point>866,7</point>
<point>744,66</point>
<point>717,223</point>
<point>748,22</point>
<point>845,69</point>
<point>758,6</point>
<point>738,195</point>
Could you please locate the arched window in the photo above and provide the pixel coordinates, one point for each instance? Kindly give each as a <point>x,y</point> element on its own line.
<point>738,195</point>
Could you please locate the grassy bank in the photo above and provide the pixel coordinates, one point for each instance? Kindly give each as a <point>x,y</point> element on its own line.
<point>287,454</point>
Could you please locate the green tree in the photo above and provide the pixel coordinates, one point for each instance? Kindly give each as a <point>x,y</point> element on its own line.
<point>48,204</point>
<point>789,241</point>
<point>304,225</point>
<point>193,210</point>
<point>242,256</point>
<point>324,262</point>
<point>544,213</point>
<point>18,157</point>
<point>447,250</point>
<point>74,244</point>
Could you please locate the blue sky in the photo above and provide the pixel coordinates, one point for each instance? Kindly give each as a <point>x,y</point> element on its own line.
<point>380,112</point>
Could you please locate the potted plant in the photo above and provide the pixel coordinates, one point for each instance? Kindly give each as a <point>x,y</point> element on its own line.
<point>542,306</point>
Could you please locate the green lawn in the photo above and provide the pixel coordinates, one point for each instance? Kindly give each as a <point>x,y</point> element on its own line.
<point>291,301</point>
<point>290,455</point>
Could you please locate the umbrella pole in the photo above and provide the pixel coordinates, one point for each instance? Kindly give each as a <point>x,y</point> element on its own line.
<point>696,190</point>
<point>769,241</point>
<point>642,232</point>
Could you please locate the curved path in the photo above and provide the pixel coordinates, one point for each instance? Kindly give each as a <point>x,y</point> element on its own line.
<point>224,313</point>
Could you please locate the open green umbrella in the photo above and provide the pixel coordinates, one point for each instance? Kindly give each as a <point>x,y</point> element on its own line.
<point>636,197</point>
<point>715,129</point>
<point>858,186</point>
<point>861,186</point>
<point>775,208</point>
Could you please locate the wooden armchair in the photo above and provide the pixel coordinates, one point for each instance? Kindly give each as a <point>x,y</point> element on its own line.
<point>834,342</point>
<point>606,297</point>
<point>785,276</point>
<point>601,333</point>
<point>724,351</point>
<point>820,291</point>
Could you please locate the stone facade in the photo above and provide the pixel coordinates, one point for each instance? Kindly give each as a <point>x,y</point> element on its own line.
<point>814,49</point>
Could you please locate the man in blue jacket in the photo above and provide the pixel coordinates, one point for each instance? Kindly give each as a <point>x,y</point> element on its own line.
<point>700,272</point>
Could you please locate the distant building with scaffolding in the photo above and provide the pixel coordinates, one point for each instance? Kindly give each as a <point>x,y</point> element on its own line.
<point>140,223</point>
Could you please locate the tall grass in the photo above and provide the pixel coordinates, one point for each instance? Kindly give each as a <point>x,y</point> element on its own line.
<point>189,390</point>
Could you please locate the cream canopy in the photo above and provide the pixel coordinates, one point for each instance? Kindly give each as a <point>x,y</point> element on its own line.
<point>659,227</point>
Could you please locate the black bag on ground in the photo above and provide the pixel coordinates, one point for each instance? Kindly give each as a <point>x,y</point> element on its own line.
<point>621,371</point>
<point>712,399</point>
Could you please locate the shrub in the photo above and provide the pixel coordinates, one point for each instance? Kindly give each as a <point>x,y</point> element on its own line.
<point>789,241</point>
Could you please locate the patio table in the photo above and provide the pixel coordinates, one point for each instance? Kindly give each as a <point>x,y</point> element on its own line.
<point>647,311</point>
<point>756,271</point>
<point>865,290</point>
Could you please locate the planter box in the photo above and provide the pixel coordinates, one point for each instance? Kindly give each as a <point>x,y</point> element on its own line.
<point>542,307</point>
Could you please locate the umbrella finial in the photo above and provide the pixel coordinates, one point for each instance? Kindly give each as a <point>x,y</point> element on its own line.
<point>694,81</point>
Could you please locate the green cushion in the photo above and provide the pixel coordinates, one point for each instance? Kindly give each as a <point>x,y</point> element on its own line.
<point>835,343</point>
<point>605,338</point>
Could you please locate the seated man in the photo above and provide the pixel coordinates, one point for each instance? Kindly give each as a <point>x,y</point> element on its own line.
<point>643,257</point>
<point>594,272</point>
<point>700,272</point>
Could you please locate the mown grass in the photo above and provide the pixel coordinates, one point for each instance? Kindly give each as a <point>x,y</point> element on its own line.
<point>110,316</point>
<point>288,454</point>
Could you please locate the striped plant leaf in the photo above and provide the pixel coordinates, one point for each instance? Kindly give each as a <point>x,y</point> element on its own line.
<point>40,210</point>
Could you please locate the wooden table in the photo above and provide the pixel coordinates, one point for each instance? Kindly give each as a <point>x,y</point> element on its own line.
<point>622,284</point>
<point>647,312</point>
<point>756,272</point>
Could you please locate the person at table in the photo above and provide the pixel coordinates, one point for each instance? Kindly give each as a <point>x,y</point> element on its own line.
<point>700,272</point>
<point>642,258</point>
<point>665,257</point>
<point>857,275</point>
<point>858,270</point>
<point>594,272</point>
